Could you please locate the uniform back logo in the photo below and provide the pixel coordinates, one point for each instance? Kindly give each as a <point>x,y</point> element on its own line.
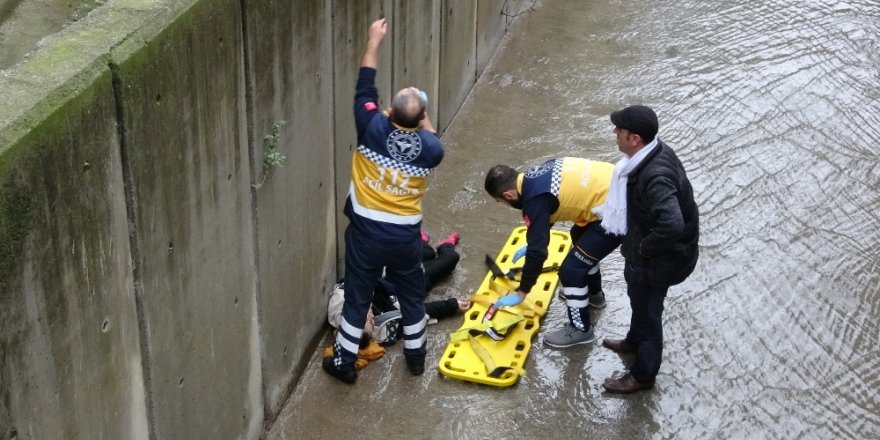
<point>403,145</point>
<point>537,170</point>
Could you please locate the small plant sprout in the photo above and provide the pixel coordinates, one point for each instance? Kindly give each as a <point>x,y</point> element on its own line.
<point>272,158</point>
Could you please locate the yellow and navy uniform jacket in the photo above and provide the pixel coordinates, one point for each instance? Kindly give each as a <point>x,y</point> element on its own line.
<point>564,189</point>
<point>388,169</point>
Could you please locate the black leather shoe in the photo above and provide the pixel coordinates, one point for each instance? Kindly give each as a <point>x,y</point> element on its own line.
<point>618,346</point>
<point>625,385</point>
<point>346,373</point>
<point>416,365</point>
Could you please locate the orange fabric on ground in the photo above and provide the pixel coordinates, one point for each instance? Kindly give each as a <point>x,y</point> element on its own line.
<point>369,353</point>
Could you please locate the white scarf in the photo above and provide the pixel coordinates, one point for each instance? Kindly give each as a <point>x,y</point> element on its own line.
<point>613,211</point>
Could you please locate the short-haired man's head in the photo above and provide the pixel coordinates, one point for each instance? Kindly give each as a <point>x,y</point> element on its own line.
<point>408,107</point>
<point>499,179</point>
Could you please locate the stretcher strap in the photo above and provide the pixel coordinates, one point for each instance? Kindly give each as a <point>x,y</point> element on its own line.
<point>498,324</point>
<point>531,307</point>
<point>492,370</point>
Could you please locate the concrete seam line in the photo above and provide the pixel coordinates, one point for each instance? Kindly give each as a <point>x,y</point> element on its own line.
<point>135,255</point>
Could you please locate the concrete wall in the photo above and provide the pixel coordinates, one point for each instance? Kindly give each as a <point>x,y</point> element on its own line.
<point>182,97</point>
<point>291,69</point>
<point>156,279</point>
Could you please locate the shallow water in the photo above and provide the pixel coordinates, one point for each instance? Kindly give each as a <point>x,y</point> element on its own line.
<point>773,107</point>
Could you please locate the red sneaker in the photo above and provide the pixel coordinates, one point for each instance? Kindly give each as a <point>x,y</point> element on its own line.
<point>451,240</point>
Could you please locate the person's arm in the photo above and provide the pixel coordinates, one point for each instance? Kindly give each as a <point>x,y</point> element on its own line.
<point>442,309</point>
<point>366,97</point>
<point>426,124</point>
<point>537,212</point>
<point>376,34</point>
<point>668,224</point>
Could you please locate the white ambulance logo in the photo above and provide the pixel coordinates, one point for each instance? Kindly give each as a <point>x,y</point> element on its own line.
<point>404,146</point>
<point>537,170</point>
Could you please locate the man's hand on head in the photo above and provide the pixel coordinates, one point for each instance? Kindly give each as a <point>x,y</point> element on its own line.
<point>425,123</point>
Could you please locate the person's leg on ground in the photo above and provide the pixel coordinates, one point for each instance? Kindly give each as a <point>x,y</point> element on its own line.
<point>440,267</point>
<point>428,253</point>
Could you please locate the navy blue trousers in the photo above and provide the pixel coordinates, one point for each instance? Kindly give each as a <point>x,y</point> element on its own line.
<point>591,245</point>
<point>365,259</point>
<point>579,274</point>
<point>646,324</point>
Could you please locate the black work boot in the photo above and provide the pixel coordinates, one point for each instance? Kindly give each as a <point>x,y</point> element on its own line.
<point>416,365</point>
<point>345,372</point>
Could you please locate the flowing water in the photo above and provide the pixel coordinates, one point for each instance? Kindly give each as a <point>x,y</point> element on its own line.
<point>774,108</point>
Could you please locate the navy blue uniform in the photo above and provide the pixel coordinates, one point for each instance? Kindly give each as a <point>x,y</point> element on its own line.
<point>389,171</point>
<point>567,189</point>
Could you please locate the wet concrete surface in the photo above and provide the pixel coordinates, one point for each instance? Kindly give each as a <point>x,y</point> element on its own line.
<point>773,107</point>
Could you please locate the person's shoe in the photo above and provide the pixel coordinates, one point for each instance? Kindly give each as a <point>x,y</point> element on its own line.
<point>451,240</point>
<point>625,385</point>
<point>568,336</point>
<point>426,237</point>
<point>388,328</point>
<point>597,300</point>
<point>346,372</point>
<point>415,364</point>
<point>618,346</point>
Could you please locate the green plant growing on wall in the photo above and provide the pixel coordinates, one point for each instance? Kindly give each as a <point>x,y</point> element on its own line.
<point>272,158</point>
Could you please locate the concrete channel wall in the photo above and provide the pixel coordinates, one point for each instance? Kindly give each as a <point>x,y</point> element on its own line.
<point>157,280</point>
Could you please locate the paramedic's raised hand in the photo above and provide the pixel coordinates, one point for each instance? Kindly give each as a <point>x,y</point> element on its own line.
<point>377,30</point>
<point>376,34</point>
<point>511,299</point>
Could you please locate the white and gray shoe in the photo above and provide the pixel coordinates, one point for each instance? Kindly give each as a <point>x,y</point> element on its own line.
<point>569,336</point>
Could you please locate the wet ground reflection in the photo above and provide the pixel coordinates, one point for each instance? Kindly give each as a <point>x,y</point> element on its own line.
<point>773,107</point>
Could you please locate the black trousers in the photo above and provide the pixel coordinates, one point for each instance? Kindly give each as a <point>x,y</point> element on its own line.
<point>438,265</point>
<point>646,323</point>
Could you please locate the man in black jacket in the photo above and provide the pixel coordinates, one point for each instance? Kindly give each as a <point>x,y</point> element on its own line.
<point>651,203</point>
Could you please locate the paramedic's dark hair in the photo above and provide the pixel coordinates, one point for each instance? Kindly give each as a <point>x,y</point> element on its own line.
<point>500,178</point>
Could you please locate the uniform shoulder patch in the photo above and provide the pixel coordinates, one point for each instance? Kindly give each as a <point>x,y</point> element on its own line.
<point>370,106</point>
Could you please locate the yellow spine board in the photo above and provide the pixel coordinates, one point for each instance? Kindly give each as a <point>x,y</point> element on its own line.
<point>500,363</point>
